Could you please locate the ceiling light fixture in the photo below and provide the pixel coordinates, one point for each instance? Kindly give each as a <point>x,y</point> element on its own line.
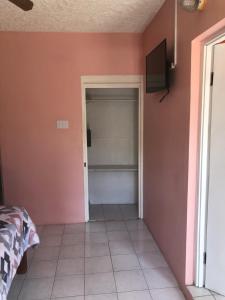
<point>193,5</point>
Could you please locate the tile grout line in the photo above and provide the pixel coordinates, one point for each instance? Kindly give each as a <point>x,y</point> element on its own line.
<point>103,212</point>
<point>117,296</point>
<point>137,254</point>
<point>130,240</point>
<point>141,268</point>
<point>60,246</point>
<point>121,212</point>
<point>17,297</point>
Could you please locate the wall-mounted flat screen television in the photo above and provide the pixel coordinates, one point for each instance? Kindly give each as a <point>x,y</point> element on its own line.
<point>157,69</point>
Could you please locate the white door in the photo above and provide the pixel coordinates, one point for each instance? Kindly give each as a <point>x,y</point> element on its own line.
<point>215,244</point>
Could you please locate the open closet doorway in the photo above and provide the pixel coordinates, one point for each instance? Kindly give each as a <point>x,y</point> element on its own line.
<point>112,134</point>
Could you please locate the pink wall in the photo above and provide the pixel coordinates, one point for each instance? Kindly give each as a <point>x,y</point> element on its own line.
<point>40,83</point>
<point>166,137</point>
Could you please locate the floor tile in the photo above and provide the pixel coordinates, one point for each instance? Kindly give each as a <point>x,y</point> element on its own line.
<point>116,226</point>
<point>96,249</point>
<point>121,247</point>
<point>136,295</point>
<point>39,229</point>
<point>74,228</point>
<point>71,251</point>
<point>20,276</point>
<point>96,237</point>
<point>134,225</point>
<point>118,235</point>
<point>149,260</point>
<point>73,239</point>
<point>111,208</point>
<point>167,294</point>
<point>125,262</point>
<point>30,254</point>
<point>15,289</point>
<point>96,212</point>
<point>198,292</point>
<point>52,230</point>
<point>205,298</point>
<point>42,269</point>
<point>70,298</point>
<point>112,212</point>
<point>130,281</point>
<point>219,297</point>
<point>98,264</point>
<point>95,227</point>
<point>140,235</point>
<point>46,253</point>
<point>68,286</point>
<point>100,283</point>
<point>36,289</point>
<point>70,266</point>
<point>144,246</point>
<point>102,297</point>
<point>54,240</point>
<point>160,278</point>
<point>129,211</point>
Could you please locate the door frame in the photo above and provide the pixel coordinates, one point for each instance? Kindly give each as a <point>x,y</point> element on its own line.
<point>203,157</point>
<point>114,81</point>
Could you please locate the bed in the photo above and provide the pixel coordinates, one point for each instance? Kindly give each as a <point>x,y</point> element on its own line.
<point>17,234</point>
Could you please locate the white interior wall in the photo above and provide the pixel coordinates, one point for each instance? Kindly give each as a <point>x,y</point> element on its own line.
<point>114,132</point>
<point>113,187</point>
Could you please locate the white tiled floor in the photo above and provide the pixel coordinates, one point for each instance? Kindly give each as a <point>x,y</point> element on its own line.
<point>97,261</point>
<point>204,294</point>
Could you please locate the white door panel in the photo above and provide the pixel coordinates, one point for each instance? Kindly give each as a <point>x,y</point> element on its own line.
<point>215,264</point>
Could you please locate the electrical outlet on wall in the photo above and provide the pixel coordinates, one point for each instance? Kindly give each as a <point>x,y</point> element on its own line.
<point>62,124</point>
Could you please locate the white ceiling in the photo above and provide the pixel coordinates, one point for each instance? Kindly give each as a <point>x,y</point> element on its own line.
<point>80,15</point>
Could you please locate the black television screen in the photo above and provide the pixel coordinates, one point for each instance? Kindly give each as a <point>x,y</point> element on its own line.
<point>156,69</point>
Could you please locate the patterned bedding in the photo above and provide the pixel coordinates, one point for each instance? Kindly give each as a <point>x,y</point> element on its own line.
<point>17,234</point>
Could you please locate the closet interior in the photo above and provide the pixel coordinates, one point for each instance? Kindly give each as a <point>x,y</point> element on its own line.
<point>112,148</point>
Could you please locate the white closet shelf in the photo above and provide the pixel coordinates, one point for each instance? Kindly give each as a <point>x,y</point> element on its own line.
<point>113,168</point>
<point>113,100</point>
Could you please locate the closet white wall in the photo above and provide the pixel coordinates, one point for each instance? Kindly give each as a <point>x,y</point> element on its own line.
<point>112,116</point>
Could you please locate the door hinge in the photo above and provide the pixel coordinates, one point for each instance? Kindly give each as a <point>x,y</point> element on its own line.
<point>212,79</point>
<point>85,164</point>
<point>204,258</point>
